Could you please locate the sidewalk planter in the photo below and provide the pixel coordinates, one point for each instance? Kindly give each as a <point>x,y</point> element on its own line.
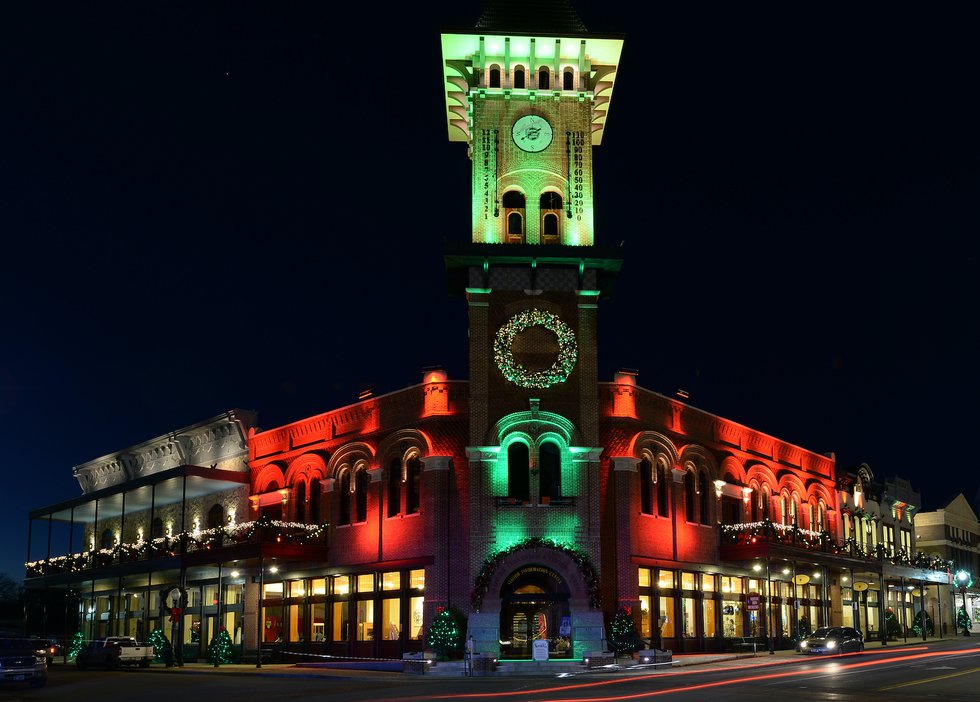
<point>655,656</point>
<point>598,659</point>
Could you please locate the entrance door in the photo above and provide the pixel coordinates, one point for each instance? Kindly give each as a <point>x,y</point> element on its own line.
<point>534,607</point>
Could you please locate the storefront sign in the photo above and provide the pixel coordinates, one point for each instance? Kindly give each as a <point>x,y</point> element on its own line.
<point>752,601</point>
<point>539,650</point>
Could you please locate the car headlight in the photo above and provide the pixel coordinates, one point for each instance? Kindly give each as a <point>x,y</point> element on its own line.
<point>831,644</point>
<point>803,644</point>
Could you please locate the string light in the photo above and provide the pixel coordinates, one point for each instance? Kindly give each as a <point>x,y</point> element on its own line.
<point>518,374</point>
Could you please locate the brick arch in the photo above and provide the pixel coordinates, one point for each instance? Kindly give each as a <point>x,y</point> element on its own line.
<point>267,474</point>
<point>352,453</point>
<point>306,468</point>
<point>731,470</point>
<point>561,563</point>
<point>656,443</point>
<point>762,474</point>
<point>402,442</point>
<point>698,456</point>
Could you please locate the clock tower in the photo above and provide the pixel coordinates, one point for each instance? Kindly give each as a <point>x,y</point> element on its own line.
<point>528,90</point>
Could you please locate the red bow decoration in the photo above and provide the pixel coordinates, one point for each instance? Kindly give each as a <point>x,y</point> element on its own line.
<point>175,614</point>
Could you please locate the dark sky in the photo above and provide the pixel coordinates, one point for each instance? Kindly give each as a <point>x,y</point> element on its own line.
<point>213,205</point>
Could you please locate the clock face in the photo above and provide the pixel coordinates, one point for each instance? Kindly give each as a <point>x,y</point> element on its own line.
<point>532,133</point>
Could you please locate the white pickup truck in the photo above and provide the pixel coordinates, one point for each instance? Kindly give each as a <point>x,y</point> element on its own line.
<point>114,651</point>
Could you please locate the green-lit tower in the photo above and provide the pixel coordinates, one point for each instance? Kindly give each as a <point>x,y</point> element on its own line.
<point>528,90</point>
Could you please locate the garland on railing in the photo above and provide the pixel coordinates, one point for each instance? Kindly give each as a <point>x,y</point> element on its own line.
<point>293,532</point>
<point>581,559</point>
<point>823,540</point>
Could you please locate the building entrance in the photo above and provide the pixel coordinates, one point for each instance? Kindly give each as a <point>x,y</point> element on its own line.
<point>534,606</point>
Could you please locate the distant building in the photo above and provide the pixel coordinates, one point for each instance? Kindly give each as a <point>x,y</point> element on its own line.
<point>953,533</point>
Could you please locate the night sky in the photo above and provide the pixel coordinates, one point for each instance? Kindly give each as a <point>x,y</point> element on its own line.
<point>198,212</point>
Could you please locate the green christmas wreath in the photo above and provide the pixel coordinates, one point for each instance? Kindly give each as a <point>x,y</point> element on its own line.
<point>518,374</point>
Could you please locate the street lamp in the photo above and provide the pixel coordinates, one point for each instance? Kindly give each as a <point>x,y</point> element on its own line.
<point>964,580</point>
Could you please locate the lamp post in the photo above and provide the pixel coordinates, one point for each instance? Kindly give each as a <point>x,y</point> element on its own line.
<point>964,580</point>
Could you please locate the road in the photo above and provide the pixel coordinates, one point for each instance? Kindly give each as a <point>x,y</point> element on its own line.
<point>950,672</point>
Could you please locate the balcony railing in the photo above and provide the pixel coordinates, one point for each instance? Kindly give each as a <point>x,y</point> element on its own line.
<point>768,532</point>
<point>261,531</point>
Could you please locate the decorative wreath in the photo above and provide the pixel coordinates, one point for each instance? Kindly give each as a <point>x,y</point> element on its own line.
<point>518,374</point>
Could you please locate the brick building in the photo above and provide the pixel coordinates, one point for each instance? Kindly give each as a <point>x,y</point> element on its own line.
<point>534,497</point>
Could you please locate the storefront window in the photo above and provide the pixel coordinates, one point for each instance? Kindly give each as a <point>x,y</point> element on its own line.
<point>341,584</point>
<point>318,620</point>
<point>415,617</point>
<point>709,617</point>
<point>732,585</point>
<point>271,624</point>
<point>391,619</point>
<point>645,626</point>
<point>688,617</point>
<point>391,581</point>
<point>688,581</point>
<point>296,588</point>
<point>644,577</point>
<point>365,620</point>
<point>731,618</point>
<point>708,583</point>
<point>318,586</point>
<point>665,578</point>
<point>667,616</point>
<point>365,582</point>
<point>341,620</point>
<point>297,622</point>
<point>416,578</point>
<point>272,591</point>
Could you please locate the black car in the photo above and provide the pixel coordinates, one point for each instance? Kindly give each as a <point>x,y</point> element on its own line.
<point>833,639</point>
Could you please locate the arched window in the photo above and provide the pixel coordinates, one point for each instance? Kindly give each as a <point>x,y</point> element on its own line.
<point>704,493</point>
<point>413,481</point>
<point>360,495</point>
<point>315,491</point>
<point>662,487</point>
<point>108,540</point>
<point>156,528</point>
<point>543,79</point>
<point>821,517</point>
<point>394,486</point>
<point>689,495</point>
<point>568,79</point>
<point>551,204</point>
<point>273,512</point>
<point>646,486</point>
<point>518,467</point>
<point>549,456</point>
<point>766,503</point>
<point>783,510</point>
<point>216,517</point>
<point>343,497</point>
<point>754,507</point>
<point>514,210</point>
<point>495,76</point>
<point>300,509</point>
<point>519,78</point>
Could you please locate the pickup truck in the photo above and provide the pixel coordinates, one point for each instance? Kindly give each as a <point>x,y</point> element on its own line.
<point>21,662</point>
<point>113,652</point>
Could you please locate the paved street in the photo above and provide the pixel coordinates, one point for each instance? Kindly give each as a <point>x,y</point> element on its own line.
<point>948,669</point>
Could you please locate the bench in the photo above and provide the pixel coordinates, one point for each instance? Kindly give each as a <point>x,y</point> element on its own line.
<point>746,643</point>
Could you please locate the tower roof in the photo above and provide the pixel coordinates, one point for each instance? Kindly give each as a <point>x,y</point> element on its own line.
<point>541,16</point>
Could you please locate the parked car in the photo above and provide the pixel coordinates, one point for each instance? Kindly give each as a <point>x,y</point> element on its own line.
<point>49,648</point>
<point>113,652</point>
<point>20,662</point>
<point>833,639</point>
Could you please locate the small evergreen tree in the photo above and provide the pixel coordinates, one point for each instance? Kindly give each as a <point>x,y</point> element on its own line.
<point>623,637</point>
<point>163,652</point>
<point>923,621</point>
<point>963,621</point>
<point>221,649</point>
<point>893,628</point>
<point>445,636</point>
<point>77,644</point>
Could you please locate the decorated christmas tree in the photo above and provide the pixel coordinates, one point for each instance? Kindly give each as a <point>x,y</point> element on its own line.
<point>221,650</point>
<point>923,621</point>
<point>445,636</point>
<point>623,638</point>
<point>963,621</point>
<point>77,643</point>
<point>893,628</point>
<point>163,652</point>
